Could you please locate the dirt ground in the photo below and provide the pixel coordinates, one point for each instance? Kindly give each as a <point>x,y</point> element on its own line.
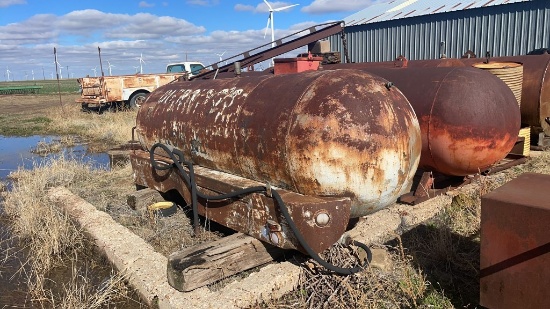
<point>33,105</point>
<point>24,115</point>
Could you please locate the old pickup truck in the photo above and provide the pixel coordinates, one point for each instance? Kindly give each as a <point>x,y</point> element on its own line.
<point>129,90</point>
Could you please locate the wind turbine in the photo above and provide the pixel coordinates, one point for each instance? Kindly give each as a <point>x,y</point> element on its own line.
<point>220,55</point>
<point>141,61</point>
<point>110,66</point>
<point>270,18</point>
<point>136,69</point>
<point>95,71</point>
<point>32,72</point>
<point>60,68</point>
<point>51,74</point>
<point>8,74</point>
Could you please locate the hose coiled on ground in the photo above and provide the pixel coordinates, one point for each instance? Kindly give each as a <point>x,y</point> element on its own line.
<point>178,159</point>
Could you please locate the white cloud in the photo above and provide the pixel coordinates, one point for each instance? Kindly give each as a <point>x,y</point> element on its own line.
<point>261,7</point>
<point>122,38</point>
<point>329,6</point>
<point>145,4</point>
<point>6,3</point>
<point>47,27</point>
<point>243,8</point>
<point>203,2</point>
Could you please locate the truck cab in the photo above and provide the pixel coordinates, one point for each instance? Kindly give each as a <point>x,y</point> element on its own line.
<point>191,68</point>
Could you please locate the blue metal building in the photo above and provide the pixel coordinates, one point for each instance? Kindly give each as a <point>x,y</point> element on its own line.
<point>429,29</point>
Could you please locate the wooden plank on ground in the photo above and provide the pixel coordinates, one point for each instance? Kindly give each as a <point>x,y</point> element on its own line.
<point>140,199</point>
<point>207,263</point>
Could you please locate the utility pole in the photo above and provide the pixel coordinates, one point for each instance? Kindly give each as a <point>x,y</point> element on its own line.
<point>43,75</point>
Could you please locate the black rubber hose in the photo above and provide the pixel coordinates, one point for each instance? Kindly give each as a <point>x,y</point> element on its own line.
<point>177,156</point>
<point>313,254</point>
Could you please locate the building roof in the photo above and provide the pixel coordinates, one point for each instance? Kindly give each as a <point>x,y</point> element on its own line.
<point>397,9</point>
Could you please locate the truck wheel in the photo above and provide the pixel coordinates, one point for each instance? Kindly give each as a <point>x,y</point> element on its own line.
<point>137,100</point>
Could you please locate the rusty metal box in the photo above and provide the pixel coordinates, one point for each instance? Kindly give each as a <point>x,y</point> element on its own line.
<point>515,244</point>
<point>296,65</point>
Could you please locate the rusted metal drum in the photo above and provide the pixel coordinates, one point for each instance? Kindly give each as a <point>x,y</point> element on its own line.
<point>535,95</point>
<point>320,133</point>
<point>469,118</point>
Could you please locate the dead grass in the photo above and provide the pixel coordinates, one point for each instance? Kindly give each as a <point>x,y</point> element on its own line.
<point>435,265</point>
<point>50,237</point>
<point>111,128</point>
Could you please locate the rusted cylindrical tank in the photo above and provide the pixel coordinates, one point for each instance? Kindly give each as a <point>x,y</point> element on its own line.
<point>511,73</point>
<point>322,133</point>
<point>535,95</point>
<point>469,118</point>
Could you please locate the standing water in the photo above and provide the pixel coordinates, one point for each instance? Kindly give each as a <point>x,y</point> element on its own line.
<point>17,152</point>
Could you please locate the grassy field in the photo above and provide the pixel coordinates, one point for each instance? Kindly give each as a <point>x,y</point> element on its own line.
<point>49,86</point>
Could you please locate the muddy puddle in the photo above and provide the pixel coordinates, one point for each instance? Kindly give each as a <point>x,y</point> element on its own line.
<point>32,151</point>
<point>28,152</point>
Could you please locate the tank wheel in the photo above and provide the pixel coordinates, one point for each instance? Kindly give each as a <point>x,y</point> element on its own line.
<point>137,100</point>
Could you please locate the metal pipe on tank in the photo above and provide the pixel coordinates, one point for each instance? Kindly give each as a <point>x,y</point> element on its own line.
<point>469,118</point>
<point>322,133</point>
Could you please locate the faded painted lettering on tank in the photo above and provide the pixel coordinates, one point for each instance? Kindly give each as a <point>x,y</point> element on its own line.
<point>167,95</point>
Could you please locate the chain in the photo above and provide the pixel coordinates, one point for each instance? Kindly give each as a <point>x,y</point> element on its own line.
<point>345,43</point>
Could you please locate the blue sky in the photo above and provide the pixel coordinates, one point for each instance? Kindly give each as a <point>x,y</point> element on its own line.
<point>162,31</point>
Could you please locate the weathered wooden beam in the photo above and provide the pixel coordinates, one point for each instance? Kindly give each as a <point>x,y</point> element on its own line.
<point>207,263</point>
<point>140,199</point>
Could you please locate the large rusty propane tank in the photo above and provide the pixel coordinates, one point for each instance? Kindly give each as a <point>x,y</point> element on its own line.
<point>535,95</point>
<point>322,133</point>
<point>469,118</point>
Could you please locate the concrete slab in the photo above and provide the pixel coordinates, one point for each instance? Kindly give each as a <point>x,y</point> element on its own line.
<point>145,269</point>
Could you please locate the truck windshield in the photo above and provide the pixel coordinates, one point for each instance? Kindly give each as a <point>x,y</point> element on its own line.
<point>175,68</point>
<point>196,68</point>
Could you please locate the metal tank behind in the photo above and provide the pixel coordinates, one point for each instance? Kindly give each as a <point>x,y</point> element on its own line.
<point>535,95</point>
<point>468,117</point>
<point>324,133</point>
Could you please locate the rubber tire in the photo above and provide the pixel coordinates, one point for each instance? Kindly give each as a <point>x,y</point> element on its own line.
<point>137,100</point>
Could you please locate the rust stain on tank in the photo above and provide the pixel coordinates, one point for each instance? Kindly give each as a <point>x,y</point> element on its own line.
<point>535,94</point>
<point>459,110</point>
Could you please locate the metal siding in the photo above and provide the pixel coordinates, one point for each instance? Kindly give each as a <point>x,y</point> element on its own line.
<point>500,29</point>
<point>400,9</point>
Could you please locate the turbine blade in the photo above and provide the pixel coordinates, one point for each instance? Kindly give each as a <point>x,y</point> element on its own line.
<point>268,5</point>
<point>267,26</point>
<point>284,8</point>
